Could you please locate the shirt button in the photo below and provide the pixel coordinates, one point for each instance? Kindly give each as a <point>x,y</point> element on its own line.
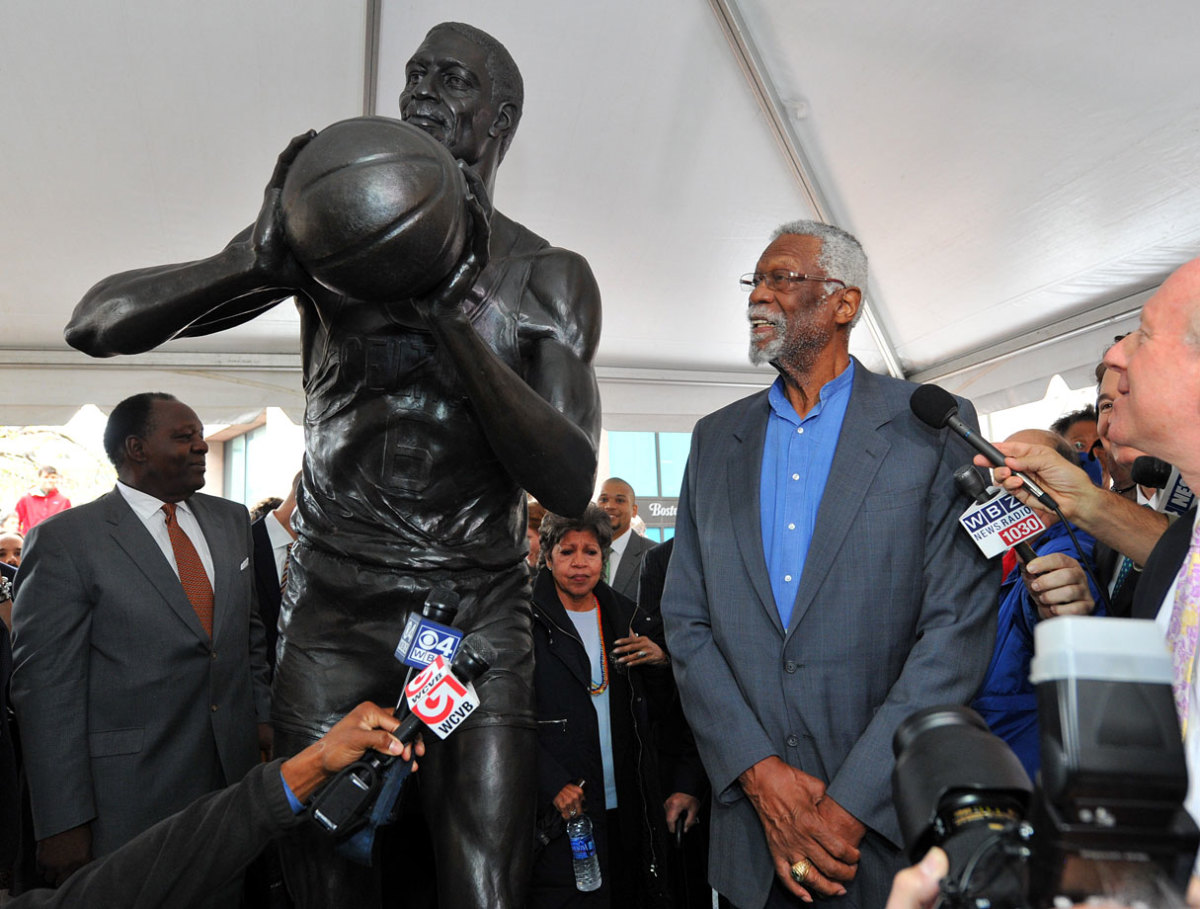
<point>213,708</point>
<point>791,526</point>
<point>213,654</point>
<point>800,430</point>
<point>795,476</point>
<point>793,741</point>
<point>790,666</point>
<point>787,577</point>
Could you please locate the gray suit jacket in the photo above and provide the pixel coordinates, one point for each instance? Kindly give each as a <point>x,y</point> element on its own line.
<point>630,569</point>
<point>895,611</point>
<point>127,710</point>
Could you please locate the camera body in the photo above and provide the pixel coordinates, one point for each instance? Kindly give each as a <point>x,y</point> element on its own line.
<point>1107,816</point>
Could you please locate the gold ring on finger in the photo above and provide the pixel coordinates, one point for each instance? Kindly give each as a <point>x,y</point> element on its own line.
<point>800,871</point>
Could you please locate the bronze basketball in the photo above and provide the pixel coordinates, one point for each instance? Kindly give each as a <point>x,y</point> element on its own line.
<point>375,209</point>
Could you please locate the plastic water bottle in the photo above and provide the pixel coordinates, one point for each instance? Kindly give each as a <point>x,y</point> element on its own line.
<point>583,853</point>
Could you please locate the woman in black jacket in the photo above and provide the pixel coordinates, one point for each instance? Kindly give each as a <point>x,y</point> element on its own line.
<point>593,717</point>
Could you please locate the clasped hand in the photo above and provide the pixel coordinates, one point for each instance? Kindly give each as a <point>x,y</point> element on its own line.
<point>803,823</point>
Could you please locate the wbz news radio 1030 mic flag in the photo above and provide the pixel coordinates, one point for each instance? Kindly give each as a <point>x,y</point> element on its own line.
<point>996,521</point>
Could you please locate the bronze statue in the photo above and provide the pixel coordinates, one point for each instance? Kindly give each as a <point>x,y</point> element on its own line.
<point>425,421</point>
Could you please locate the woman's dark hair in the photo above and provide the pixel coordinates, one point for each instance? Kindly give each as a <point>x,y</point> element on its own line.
<point>555,527</point>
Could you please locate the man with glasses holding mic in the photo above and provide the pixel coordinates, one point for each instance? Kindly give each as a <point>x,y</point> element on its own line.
<point>820,591</point>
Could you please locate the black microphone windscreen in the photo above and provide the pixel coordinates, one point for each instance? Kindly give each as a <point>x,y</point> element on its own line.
<point>970,483</point>
<point>933,405</point>
<point>479,647</point>
<point>1150,471</point>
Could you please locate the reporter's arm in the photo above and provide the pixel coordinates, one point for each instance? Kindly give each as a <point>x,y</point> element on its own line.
<point>185,858</point>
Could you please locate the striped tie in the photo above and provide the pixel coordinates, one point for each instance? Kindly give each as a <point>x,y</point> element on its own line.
<point>1182,631</point>
<point>287,564</point>
<point>191,571</point>
<point>1122,574</point>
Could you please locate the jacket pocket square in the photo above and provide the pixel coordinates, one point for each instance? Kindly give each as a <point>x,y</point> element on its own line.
<point>245,562</point>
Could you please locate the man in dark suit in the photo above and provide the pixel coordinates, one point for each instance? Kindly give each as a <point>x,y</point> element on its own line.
<point>820,591</point>
<point>140,678</point>
<point>273,538</point>
<point>628,547</point>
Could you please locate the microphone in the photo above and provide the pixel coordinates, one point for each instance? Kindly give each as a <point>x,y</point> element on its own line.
<point>429,635</point>
<point>1150,471</point>
<point>443,696</point>
<point>936,407</point>
<point>970,483</point>
<point>1158,474</point>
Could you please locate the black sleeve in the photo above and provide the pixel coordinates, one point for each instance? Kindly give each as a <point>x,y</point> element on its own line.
<point>184,858</point>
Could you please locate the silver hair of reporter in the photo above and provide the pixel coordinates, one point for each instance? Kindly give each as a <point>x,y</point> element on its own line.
<point>554,527</point>
<point>841,257</point>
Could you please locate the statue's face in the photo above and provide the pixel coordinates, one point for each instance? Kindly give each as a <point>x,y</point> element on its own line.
<point>448,94</point>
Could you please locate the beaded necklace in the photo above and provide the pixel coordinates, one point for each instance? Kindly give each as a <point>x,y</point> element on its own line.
<point>593,688</point>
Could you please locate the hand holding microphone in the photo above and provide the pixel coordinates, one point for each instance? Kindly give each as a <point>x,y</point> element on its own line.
<point>936,407</point>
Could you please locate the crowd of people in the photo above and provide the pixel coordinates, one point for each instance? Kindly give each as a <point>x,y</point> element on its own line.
<point>183,683</point>
<point>657,690</point>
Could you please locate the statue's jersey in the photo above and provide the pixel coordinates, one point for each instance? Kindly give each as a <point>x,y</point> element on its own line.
<point>399,472</point>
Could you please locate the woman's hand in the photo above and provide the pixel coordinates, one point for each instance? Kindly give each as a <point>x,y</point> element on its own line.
<point>569,801</point>
<point>639,650</point>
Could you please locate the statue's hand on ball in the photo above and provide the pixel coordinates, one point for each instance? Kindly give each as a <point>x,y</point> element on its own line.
<point>268,242</point>
<point>377,210</point>
<point>447,299</point>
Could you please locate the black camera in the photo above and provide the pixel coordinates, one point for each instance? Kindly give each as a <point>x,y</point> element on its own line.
<point>1107,816</point>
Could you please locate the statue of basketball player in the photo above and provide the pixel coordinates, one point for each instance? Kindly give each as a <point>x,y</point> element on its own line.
<point>425,421</point>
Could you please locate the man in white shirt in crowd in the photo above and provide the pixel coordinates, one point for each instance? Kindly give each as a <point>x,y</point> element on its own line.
<point>628,548</point>
<point>139,678</point>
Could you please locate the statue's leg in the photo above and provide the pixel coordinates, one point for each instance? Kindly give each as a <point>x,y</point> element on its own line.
<point>479,789</point>
<point>337,642</point>
<point>479,794</point>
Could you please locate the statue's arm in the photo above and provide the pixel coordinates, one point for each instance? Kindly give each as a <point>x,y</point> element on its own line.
<point>138,310</point>
<point>544,425</point>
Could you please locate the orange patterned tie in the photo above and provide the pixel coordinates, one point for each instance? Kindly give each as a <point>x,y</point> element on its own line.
<point>191,571</point>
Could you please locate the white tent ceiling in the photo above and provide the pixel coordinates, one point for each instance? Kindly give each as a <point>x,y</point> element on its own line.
<point>1021,174</point>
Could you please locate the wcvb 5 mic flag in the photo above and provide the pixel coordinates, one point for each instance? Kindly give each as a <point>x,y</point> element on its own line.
<point>439,700</point>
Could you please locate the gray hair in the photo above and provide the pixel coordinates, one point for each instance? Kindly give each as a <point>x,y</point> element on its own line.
<point>554,527</point>
<point>841,255</point>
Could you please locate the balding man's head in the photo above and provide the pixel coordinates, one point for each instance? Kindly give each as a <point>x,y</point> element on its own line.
<point>1158,402</point>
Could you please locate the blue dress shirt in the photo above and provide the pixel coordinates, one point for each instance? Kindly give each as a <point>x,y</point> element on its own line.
<point>797,456</point>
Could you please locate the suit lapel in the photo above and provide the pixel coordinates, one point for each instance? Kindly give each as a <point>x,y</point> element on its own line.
<point>628,570</point>
<point>744,471</point>
<point>132,536</point>
<point>859,455</point>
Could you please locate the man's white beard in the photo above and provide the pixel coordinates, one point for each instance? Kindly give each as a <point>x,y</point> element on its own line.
<point>766,354</point>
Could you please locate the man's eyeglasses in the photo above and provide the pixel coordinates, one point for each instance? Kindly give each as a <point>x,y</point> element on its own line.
<point>782,281</point>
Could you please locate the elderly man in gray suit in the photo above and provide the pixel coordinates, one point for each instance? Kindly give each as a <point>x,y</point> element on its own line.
<point>139,664</point>
<point>628,548</point>
<point>820,591</point>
